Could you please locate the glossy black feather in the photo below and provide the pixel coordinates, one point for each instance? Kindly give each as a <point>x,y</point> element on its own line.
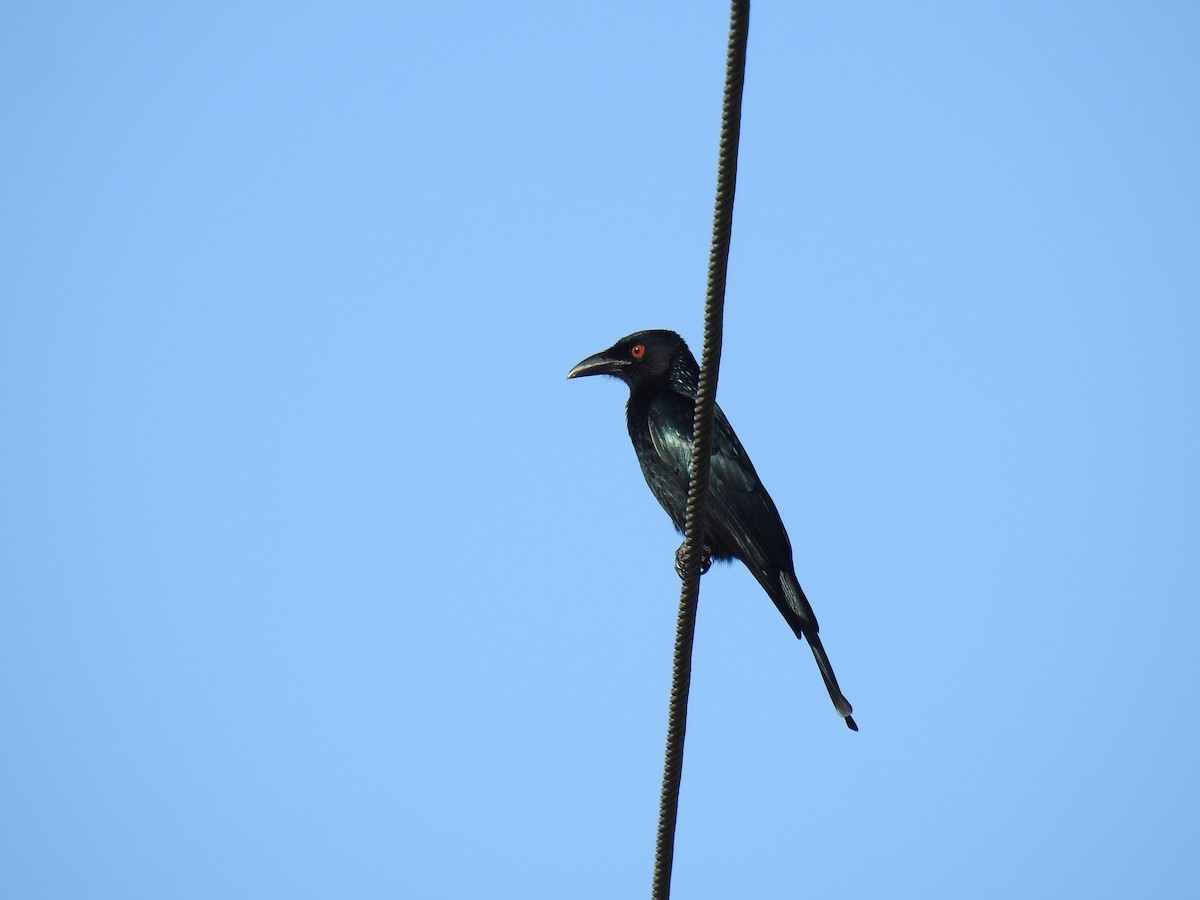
<point>743,522</point>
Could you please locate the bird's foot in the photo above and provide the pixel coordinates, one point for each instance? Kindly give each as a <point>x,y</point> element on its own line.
<point>705,560</point>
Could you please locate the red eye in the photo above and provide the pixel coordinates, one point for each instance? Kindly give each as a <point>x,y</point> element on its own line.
<point>637,351</point>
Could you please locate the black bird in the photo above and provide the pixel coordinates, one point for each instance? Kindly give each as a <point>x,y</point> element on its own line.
<point>743,523</point>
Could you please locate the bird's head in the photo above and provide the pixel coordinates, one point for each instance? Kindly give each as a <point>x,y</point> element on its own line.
<point>645,359</point>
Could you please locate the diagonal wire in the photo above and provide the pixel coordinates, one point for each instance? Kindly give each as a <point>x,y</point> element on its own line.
<point>693,543</point>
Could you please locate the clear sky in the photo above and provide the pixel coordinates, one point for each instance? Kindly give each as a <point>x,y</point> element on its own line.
<point>319,579</point>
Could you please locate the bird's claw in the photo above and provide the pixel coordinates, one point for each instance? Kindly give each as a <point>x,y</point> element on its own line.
<point>705,560</point>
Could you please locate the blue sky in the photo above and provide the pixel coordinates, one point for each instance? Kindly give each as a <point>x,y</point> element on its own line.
<point>319,579</point>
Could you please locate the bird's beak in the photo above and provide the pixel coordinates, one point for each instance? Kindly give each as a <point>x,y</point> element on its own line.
<point>600,364</point>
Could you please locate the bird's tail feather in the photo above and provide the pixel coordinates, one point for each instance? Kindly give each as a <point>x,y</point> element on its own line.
<point>808,627</point>
<point>840,703</point>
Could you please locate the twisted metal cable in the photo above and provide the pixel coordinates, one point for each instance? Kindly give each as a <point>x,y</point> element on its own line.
<point>692,556</point>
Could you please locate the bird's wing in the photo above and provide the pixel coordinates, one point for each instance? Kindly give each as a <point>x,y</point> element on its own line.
<point>744,516</point>
<point>741,515</point>
<point>669,419</point>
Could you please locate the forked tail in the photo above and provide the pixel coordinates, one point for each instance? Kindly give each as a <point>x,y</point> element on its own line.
<point>806,624</point>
